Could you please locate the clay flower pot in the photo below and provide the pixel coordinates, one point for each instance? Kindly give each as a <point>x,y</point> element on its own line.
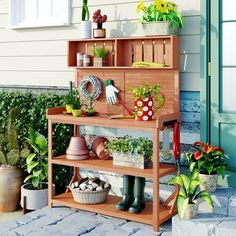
<point>77,149</point>
<point>76,112</point>
<point>143,109</point>
<point>98,148</point>
<point>210,182</point>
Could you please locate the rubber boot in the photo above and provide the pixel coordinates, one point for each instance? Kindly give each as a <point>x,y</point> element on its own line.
<point>128,194</point>
<point>139,202</point>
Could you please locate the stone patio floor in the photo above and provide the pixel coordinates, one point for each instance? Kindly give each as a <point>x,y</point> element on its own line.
<point>63,221</point>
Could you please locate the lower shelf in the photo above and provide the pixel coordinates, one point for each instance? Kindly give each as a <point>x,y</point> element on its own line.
<point>108,208</point>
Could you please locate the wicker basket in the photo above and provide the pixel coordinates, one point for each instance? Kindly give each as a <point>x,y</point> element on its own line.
<point>90,197</point>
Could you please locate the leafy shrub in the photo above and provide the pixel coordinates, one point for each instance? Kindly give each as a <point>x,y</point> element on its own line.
<point>32,106</point>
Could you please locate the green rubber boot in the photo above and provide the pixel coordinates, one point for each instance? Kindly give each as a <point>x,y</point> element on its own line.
<point>139,202</point>
<point>128,194</point>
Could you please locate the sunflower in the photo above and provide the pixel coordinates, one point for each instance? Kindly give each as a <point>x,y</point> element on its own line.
<point>141,7</point>
<point>161,6</point>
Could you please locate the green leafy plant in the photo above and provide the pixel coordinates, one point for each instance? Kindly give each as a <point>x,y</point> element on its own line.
<point>85,11</point>
<point>100,52</point>
<point>73,99</point>
<point>37,161</point>
<point>189,191</point>
<point>160,10</point>
<point>126,144</point>
<point>10,150</point>
<point>208,159</point>
<point>32,107</point>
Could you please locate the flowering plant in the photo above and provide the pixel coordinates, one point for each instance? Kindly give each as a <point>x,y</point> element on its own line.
<point>160,10</point>
<point>207,159</point>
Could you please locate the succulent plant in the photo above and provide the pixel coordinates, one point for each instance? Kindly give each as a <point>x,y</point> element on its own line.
<point>10,151</point>
<point>98,18</point>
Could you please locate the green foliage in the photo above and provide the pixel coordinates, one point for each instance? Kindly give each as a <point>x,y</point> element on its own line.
<point>37,161</point>
<point>208,159</point>
<point>126,144</point>
<point>189,191</point>
<point>10,151</point>
<point>160,10</point>
<point>73,98</point>
<point>100,52</point>
<point>32,106</point>
<point>85,10</point>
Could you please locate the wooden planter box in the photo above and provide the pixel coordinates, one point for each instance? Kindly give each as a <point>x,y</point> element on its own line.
<point>131,160</point>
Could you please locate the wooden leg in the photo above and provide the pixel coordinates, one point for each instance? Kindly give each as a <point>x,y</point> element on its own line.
<point>74,178</point>
<point>24,205</point>
<point>156,197</point>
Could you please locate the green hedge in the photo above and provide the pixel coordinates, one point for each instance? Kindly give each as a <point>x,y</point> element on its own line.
<point>33,114</point>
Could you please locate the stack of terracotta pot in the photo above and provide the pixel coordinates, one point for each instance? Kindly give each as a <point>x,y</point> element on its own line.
<point>77,149</point>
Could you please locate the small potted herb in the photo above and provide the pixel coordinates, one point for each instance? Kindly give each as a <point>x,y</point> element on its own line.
<point>187,200</point>
<point>160,17</point>
<point>86,24</point>
<point>99,19</point>
<point>77,105</point>
<point>210,161</point>
<point>144,98</point>
<point>127,151</point>
<point>35,188</point>
<point>99,54</point>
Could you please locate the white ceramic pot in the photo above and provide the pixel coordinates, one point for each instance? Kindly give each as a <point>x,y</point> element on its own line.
<point>35,199</point>
<point>210,182</point>
<point>11,179</point>
<point>191,211</point>
<point>86,29</point>
<point>159,28</point>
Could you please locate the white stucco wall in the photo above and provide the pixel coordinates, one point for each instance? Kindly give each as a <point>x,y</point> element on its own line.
<point>38,56</point>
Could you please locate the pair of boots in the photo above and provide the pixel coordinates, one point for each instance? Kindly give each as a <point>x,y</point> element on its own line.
<point>133,194</point>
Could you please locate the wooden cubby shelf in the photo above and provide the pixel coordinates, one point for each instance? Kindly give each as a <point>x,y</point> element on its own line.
<point>108,208</point>
<point>123,52</point>
<point>106,165</point>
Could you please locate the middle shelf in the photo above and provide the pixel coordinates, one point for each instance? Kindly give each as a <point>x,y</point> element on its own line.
<point>107,165</point>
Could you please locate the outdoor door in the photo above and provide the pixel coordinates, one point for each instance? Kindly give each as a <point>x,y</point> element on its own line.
<point>223,79</point>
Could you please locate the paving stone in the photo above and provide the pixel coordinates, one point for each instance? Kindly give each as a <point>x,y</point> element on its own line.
<point>226,227</point>
<point>232,205</point>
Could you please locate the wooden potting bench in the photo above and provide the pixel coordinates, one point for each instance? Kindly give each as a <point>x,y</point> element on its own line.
<point>122,53</point>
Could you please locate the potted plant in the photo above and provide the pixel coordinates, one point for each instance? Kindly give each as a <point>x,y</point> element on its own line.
<point>160,17</point>
<point>210,161</point>
<point>187,200</point>
<point>99,54</point>
<point>99,19</point>
<point>77,104</point>
<point>144,98</point>
<point>127,151</point>
<point>86,24</point>
<point>11,176</point>
<point>35,189</point>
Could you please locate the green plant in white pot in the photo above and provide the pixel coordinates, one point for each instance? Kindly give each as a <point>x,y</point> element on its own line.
<point>11,154</point>
<point>35,189</point>
<point>160,17</point>
<point>189,194</point>
<point>86,24</point>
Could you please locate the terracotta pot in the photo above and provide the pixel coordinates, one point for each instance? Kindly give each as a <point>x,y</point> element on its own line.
<point>35,199</point>
<point>191,211</point>
<point>11,179</point>
<point>210,182</point>
<point>98,148</point>
<point>143,109</point>
<point>77,149</point>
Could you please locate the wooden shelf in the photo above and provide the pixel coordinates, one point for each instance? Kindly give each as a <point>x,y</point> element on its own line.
<point>122,67</point>
<point>108,208</point>
<point>56,116</point>
<point>107,165</point>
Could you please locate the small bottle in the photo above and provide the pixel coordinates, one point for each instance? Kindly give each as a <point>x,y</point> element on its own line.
<point>79,58</point>
<point>86,60</point>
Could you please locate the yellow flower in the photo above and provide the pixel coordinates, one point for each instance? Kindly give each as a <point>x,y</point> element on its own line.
<point>161,6</point>
<point>141,7</point>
